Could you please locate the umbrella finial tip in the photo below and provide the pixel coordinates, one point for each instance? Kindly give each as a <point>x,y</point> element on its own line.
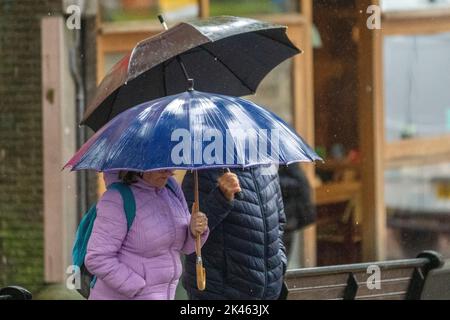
<point>162,21</point>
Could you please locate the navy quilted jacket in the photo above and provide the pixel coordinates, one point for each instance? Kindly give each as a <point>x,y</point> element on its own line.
<point>244,256</point>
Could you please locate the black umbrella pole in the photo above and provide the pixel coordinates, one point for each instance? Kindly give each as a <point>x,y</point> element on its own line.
<point>201,272</point>
<point>189,80</point>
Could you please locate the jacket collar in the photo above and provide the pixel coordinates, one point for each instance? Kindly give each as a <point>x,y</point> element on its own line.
<point>142,184</point>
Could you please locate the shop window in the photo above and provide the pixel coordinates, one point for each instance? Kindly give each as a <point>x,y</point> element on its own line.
<point>417,75</point>
<point>417,127</point>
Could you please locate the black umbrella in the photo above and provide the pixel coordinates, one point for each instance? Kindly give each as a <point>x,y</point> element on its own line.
<point>226,55</point>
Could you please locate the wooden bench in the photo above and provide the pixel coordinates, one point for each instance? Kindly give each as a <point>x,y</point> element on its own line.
<point>437,284</point>
<point>399,280</point>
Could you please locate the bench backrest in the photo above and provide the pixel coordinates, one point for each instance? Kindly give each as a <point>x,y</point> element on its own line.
<point>399,279</point>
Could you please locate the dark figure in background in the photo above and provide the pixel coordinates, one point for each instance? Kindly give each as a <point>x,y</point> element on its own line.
<point>298,205</point>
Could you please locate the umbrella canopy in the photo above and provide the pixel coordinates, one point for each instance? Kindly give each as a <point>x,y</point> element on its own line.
<point>192,130</point>
<point>226,55</point>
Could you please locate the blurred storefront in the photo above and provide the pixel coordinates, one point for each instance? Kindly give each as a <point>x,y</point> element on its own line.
<point>381,115</point>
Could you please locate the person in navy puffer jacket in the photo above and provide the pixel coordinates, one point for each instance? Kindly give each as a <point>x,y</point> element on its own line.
<point>244,256</point>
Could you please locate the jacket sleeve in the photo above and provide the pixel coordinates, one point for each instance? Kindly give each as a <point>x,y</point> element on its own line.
<point>108,234</point>
<point>282,222</point>
<point>212,202</point>
<point>189,243</point>
<point>296,191</point>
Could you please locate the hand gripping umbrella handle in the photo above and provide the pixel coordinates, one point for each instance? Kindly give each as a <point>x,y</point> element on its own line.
<point>201,272</point>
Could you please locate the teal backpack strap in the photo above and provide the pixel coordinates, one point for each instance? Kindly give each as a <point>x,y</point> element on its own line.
<point>129,203</point>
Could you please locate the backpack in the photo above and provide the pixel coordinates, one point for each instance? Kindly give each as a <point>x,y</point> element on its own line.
<point>87,280</point>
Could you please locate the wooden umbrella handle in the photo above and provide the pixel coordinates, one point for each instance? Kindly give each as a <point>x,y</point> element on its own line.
<point>201,272</point>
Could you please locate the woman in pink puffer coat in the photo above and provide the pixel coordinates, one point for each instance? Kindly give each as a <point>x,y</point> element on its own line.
<point>143,263</point>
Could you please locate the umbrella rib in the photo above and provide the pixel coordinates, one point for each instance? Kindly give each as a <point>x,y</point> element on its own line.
<point>112,106</point>
<point>228,68</point>
<point>276,40</point>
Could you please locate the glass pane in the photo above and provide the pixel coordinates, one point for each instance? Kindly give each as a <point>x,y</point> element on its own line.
<point>274,92</point>
<point>252,7</point>
<point>417,96</point>
<point>391,5</point>
<point>418,210</point>
<point>129,10</point>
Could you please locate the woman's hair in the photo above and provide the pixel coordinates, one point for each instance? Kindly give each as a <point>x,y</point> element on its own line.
<point>129,177</point>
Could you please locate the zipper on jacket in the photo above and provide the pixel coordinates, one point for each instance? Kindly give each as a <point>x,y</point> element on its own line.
<point>265,233</point>
<point>171,246</point>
